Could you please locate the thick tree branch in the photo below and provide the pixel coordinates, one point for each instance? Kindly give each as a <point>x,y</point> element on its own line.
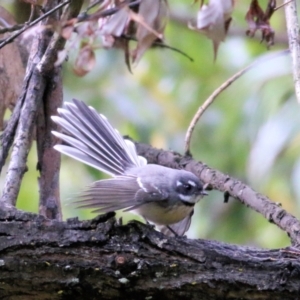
<point>99,259</point>
<point>48,158</point>
<point>273,212</point>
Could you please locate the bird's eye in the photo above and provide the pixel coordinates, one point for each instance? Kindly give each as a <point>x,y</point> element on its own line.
<point>187,187</point>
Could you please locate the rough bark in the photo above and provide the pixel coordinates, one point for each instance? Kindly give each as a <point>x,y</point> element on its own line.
<point>100,259</point>
<point>48,158</point>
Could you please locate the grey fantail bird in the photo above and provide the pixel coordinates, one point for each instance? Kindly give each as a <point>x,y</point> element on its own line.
<point>161,195</point>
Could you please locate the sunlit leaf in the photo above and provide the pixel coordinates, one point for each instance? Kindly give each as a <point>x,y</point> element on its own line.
<point>213,20</point>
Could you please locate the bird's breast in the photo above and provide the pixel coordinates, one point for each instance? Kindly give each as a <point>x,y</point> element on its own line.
<point>160,215</point>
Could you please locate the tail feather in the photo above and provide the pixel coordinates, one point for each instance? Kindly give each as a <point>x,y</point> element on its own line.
<point>92,133</point>
<point>92,140</point>
<point>76,154</point>
<point>86,157</point>
<point>98,126</point>
<point>85,148</point>
<point>106,132</point>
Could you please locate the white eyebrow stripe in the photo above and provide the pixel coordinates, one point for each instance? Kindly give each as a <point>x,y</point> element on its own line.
<point>178,183</point>
<point>192,183</point>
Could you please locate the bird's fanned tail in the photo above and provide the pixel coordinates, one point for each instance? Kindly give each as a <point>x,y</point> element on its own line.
<point>89,138</point>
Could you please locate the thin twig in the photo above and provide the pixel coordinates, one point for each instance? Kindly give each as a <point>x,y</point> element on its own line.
<point>32,10</point>
<point>220,89</point>
<point>293,31</point>
<point>11,28</point>
<point>282,5</point>
<point>12,37</point>
<point>160,44</point>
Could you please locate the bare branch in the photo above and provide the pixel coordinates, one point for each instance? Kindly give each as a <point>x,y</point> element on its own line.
<point>293,31</point>
<point>220,89</point>
<point>11,28</point>
<point>9,131</point>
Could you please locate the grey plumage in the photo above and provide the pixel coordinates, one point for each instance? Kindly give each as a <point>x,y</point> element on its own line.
<point>161,195</point>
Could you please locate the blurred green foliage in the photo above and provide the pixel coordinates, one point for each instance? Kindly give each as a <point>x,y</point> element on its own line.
<point>251,132</point>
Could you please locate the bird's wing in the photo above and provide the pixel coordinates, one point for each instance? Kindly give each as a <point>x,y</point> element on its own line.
<point>120,192</point>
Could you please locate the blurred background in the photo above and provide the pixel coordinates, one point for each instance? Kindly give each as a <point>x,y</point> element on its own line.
<point>251,132</point>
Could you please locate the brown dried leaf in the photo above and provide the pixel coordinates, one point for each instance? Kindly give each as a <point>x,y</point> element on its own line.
<point>114,26</point>
<point>213,20</point>
<point>257,19</point>
<point>123,44</point>
<point>151,21</point>
<point>85,61</point>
